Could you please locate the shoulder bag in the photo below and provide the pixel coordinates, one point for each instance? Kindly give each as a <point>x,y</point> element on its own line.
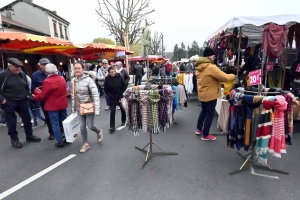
<point>86,108</point>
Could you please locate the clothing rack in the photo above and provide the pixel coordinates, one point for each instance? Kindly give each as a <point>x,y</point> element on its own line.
<point>250,157</point>
<point>148,149</point>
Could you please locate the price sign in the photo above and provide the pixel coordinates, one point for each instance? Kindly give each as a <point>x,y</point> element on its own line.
<point>254,77</point>
<point>269,66</point>
<point>298,68</point>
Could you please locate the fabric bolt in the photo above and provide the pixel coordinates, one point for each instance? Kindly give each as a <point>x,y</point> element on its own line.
<point>274,39</point>
<point>154,98</point>
<point>277,144</point>
<point>163,108</point>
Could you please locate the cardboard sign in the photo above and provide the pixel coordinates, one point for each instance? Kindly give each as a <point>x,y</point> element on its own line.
<point>269,66</point>
<point>254,77</point>
<point>298,68</point>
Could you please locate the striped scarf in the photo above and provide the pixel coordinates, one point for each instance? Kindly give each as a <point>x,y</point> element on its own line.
<point>146,119</point>
<point>163,108</point>
<point>135,112</point>
<point>277,144</point>
<point>154,98</point>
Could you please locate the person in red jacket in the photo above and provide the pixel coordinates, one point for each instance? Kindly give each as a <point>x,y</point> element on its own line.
<point>53,94</point>
<point>168,67</point>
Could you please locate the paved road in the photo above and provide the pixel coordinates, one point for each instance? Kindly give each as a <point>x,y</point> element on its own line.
<point>111,170</point>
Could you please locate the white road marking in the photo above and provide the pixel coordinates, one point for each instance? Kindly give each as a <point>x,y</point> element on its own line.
<point>121,127</point>
<point>33,178</point>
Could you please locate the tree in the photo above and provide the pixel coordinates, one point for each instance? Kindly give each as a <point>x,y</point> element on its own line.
<point>195,49</point>
<point>175,53</point>
<point>137,49</point>
<point>122,17</point>
<point>155,46</point>
<point>103,40</point>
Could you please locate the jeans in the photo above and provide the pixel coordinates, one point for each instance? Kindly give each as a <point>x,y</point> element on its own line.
<point>89,120</point>
<point>56,118</point>
<point>48,121</point>
<point>206,116</point>
<point>21,107</point>
<point>106,99</point>
<point>3,119</point>
<point>138,80</point>
<point>36,113</point>
<point>113,115</point>
<point>168,74</point>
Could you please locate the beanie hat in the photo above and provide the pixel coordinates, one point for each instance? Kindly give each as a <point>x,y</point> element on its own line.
<point>208,52</point>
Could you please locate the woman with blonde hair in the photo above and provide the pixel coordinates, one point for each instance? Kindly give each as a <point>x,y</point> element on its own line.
<point>85,90</point>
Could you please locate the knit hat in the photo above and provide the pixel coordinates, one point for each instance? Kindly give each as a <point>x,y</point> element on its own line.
<point>15,62</point>
<point>44,61</point>
<point>208,52</point>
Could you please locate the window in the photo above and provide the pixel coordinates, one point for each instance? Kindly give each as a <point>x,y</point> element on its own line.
<point>61,32</point>
<point>66,33</point>
<point>55,29</point>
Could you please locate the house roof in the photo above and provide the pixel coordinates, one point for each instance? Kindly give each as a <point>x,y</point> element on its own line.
<point>37,6</point>
<point>17,24</point>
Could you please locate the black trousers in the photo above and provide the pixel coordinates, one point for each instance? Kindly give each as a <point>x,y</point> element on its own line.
<point>48,121</point>
<point>21,107</point>
<point>113,115</point>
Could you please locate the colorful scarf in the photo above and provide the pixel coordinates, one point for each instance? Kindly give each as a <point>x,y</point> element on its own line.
<point>154,98</point>
<point>263,133</point>
<point>277,144</point>
<point>129,109</point>
<point>288,118</point>
<point>163,108</point>
<point>145,110</point>
<point>135,112</point>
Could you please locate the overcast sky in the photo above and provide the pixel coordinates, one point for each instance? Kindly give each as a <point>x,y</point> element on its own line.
<point>179,20</point>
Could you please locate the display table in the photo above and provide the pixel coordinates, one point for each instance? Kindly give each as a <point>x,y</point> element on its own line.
<point>222,108</point>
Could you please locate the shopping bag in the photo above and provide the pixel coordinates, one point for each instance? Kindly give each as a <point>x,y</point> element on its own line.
<point>71,127</point>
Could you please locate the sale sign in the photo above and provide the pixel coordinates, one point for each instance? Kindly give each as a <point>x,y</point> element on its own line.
<point>269,66</point>
<point>255,77</point>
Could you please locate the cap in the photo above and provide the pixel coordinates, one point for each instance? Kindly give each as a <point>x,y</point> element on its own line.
<point>44,61</point>
<point>15,62</point>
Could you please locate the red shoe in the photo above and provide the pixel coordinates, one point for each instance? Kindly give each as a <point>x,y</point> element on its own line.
<point>198,132</point>
<point>208,137</point>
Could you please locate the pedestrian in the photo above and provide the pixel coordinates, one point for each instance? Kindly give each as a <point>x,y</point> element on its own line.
<point>114,87</point>
<point>168,68</point>
<point>37,80</point>
<point>155,70</point>
<point>104,71</point>
<point>182,67</point>
<point>85,90</point>
<point>35,108</point>
<point>162,70</point>
<point>174,70</point>
<point>139,73</point>
<point>14,96</point>
<point>124,74</point>
<point>189,66</point>
<point>53,95</point>
<point>209,77</point>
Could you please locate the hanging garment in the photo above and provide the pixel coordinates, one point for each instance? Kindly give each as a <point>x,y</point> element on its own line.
<point>163,108</point>
<point>129,109</point>
<point>136,115</point>
<point>275,78</point>
<point>146,113</point>
<point>288,118</point>
<point>294,30</point>
<point>277,144</point>
<point>154,98</point>
<point>180,78</point>
<point>194,84</point>
<point>263,133</point>
<point>255,120</point>
<point>274,39</point>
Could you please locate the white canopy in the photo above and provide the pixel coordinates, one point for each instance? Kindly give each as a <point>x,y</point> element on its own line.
<point>253,26</point>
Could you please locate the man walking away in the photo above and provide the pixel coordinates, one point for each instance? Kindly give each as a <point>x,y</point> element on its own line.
<point>139,73</point>
<point>14,96</point>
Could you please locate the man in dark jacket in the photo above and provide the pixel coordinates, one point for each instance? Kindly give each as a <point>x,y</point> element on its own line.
<point>139,73</point>
<point>14,96</point>
<point>155,70</point>
<point>37,80</point>
<point>114,87</point>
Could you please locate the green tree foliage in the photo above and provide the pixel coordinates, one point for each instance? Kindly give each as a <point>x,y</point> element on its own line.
<point>103,40</point>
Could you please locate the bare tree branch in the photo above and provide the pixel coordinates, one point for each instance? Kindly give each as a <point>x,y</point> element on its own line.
<point>155,45</point>
<point>122,17</point>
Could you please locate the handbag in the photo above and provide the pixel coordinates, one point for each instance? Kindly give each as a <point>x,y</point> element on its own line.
<point>86,108</point>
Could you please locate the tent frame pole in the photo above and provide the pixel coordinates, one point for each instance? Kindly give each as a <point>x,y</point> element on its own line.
<point>239,55</point>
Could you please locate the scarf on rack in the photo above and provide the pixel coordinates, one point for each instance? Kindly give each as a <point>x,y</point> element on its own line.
<point>163,108</point>
<point>277,144</point>
<point>135,112</point>
<point>288,118</point>
<point>255,120</point>
<point>129,109</point>
<point>170,107</point>
<point>154,98</point>
<point>146,113</point>
<point>263,133</point>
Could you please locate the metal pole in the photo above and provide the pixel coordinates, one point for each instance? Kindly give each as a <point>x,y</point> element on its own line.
<point>162,45</point>
<point>239,52</point>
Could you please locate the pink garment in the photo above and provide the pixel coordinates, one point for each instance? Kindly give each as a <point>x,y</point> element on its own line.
<point>277,144</point>
<point>274,39</point>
